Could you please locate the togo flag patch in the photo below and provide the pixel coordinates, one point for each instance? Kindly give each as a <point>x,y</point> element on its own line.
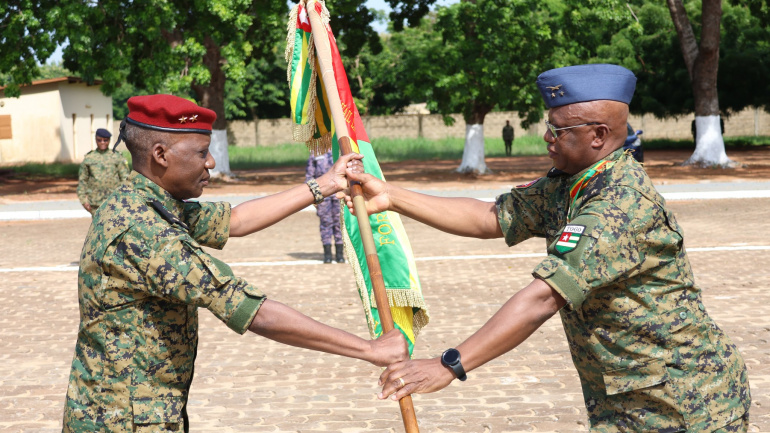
<point>569,238</point>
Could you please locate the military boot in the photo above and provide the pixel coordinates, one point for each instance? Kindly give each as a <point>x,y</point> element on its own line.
<point>327,253</point>
<point>340,256</point>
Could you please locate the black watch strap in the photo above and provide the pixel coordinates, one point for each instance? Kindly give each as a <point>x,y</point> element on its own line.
<point>451,359</point>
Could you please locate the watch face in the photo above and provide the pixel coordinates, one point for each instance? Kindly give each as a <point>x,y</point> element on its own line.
<point>451,356</point>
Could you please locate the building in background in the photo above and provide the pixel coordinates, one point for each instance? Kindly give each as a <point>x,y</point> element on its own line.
<point>53,120</point>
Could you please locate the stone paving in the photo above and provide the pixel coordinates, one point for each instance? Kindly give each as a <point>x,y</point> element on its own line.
<point>250,384</point>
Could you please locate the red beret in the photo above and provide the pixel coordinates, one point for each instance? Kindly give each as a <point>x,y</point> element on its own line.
<point>169,113</point>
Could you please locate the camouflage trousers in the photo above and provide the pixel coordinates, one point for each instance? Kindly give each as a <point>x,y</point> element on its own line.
<point>329,213</point>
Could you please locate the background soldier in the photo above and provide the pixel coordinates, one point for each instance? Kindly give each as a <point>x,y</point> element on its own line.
<point>508,137</point>
<point>101,172</point>
<point>144,274</point>
<point>648,355</point>
<point>328,210</point>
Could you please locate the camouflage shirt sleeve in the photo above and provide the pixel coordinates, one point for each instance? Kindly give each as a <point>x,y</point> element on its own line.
<point>530,210</point>
<point>123,170</point>
<point>179,271</point>
<point>607,252</point>
<point>208,222</point>
<point>83,183</point>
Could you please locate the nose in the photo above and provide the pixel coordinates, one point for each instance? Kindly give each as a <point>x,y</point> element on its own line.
<point>548,137</point>
<point>210,162</point>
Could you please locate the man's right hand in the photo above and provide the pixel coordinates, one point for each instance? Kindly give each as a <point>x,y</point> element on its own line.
<point>376,193</point>
<point>390,348</point>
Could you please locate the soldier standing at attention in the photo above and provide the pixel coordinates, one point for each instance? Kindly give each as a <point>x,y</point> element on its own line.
<point>144,274</point>
<point>508,137</point>
<point>649,357</point>
<point>328,211</point>
<point>101,172</point>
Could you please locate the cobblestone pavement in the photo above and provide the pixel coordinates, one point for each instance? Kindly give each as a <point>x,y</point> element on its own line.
<point>249,384</point>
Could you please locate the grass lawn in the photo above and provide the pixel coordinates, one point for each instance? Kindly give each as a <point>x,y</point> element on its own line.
<point>386,149</point>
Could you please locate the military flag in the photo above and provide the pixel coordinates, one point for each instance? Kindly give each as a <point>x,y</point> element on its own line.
<point>397,263</point>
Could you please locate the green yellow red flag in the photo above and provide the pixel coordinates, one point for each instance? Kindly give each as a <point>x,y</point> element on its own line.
<point>397,262</point>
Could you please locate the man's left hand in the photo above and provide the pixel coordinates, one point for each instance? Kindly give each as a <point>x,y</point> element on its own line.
<point>419,376</point>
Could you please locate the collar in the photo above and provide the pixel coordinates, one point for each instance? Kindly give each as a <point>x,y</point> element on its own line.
<point>614,156</point>
<point>151,191</point>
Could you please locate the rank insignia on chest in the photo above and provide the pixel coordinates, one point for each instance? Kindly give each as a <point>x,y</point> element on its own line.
<point>569,238</point>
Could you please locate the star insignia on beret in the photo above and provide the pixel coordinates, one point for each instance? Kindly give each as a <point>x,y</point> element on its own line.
<point>193,118</point>
<point>183,119</point>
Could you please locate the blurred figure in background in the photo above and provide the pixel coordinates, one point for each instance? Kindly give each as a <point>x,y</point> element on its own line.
<point>328,210</point>
<point>101,172</point>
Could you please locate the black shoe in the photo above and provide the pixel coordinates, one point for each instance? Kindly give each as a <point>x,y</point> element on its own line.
<point>340,257</point>
<point>327,253</point>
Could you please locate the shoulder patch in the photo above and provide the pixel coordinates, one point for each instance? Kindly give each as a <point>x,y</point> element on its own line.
<point>528,184</point>
<point>569,238</point>
<point>168,216</point>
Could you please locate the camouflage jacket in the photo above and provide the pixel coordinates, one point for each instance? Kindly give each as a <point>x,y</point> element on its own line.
<point>143,275</point>
<point>100,174</point>
<point>648,355</point>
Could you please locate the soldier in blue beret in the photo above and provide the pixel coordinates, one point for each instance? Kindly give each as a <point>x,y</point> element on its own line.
<point>144,274</point>
<point>649,356</point>
<point>101,172</point>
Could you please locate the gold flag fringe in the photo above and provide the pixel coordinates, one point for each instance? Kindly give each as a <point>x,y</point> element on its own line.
<point>396,297</point>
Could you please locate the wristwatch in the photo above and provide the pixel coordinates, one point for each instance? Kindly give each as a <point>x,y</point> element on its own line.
<point>451,359</point>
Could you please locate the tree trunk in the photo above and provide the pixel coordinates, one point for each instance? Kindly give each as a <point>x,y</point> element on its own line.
<point>212,96</point>
<point>473,152</point>
<point>702,65</point>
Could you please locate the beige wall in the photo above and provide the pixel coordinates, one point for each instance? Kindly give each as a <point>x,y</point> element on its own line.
<point>84,109</point>
<point>42,122</point>
<point>278,131</point>
<point>35,120</point>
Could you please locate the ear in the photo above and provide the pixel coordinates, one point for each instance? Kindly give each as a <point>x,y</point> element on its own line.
<point>602,134</point>
<point>158,152</point>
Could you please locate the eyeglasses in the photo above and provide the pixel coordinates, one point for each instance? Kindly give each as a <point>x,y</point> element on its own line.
<point>553,128</point>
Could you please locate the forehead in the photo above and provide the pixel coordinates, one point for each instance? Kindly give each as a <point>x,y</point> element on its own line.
<point>190,140</point>
<point>567,114</point>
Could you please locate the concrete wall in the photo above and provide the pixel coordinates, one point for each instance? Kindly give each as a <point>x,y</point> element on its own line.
<point>271,132</point>
<point>44,128</point>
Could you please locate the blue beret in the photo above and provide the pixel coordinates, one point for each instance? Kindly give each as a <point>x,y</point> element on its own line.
<point>101,132</point>
<point>583,83</point>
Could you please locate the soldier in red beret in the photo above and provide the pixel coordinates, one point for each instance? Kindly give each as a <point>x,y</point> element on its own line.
<point>143,276</point>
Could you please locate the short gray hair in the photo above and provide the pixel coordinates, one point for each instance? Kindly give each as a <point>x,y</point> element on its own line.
<point>139,141</point>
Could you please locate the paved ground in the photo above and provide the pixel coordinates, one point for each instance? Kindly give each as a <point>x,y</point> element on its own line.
<point>249,384</point>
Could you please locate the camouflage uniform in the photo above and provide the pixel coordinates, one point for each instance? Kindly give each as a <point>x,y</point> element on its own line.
<point>329,209</point>
<point>648,355</point>
<point>101,173</point>
<point>143,276</point>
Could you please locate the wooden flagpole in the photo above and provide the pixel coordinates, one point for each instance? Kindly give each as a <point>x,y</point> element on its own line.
<point>323,50</point>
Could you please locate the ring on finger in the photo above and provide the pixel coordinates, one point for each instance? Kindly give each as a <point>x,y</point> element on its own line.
<point>401,382</point>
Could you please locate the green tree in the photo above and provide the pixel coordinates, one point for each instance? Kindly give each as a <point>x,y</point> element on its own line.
<point>26,41</point>
<point>476,56</point>
<point>652,48</point>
